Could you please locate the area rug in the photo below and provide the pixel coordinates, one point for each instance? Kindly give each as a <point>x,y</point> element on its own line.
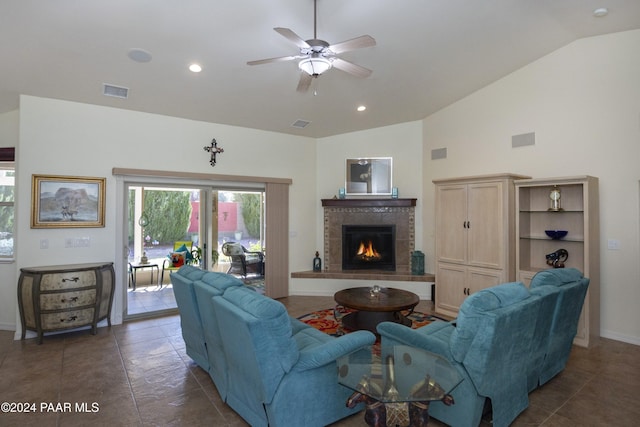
<point>329,320</point>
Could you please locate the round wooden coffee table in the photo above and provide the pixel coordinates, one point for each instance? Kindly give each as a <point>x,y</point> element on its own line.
<point>373,307</point>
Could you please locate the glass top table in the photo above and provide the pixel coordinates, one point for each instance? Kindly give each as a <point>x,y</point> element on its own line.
<point>397,383</point>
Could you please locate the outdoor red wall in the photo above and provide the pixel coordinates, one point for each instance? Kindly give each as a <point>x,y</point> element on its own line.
<point>227,216</point>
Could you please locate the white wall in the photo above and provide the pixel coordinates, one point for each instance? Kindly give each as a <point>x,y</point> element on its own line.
<point>403,142</point>
<point>583,103</point>
<point>67,138</point>
<point>8,279</point>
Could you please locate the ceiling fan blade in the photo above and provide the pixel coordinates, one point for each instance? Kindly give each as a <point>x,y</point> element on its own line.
<point>305,82</point>
<point>292,37</point>
<point>279,59</point>
<point>357,43</point>
<point>351,68</point>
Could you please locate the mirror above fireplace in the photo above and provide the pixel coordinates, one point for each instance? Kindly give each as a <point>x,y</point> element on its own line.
<point>369,176</point>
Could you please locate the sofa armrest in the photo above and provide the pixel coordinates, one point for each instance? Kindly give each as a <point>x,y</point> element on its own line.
<point>433,337</point>
<point>330,351</point>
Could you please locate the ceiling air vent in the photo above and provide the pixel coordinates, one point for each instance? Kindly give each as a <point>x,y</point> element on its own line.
<point>300,124</point>
<point>115,91</point>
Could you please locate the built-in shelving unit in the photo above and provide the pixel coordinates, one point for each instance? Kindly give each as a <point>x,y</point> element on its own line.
<point>578,215</point>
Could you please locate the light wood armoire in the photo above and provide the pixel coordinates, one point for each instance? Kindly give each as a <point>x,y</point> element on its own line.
<point>475,236</point>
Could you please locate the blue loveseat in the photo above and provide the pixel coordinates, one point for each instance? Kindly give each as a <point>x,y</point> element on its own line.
<point>267,366</point>
<point>506,341</point>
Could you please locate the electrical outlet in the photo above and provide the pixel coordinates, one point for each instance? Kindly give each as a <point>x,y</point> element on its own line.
<point>44,244</point>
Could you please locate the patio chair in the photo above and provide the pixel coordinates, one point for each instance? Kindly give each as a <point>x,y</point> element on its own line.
<point>243,262</point>
<point>180,256</point>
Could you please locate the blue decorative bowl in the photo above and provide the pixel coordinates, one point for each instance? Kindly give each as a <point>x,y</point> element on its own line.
<point>556,234</point>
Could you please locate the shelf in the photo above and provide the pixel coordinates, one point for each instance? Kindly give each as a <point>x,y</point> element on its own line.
<point>551,212</point>
<point>363,275</point>
<point>545,238</point>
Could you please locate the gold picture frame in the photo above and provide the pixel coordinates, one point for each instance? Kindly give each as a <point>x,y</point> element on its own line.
<point>367,176</point>
<point>67,201</point>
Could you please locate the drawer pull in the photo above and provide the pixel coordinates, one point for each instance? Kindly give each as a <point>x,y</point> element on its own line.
<point>72,299</point>
<point>69,319</point>
<point>73,279</point>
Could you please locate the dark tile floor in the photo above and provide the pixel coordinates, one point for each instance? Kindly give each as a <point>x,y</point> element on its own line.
<point>138,374</point>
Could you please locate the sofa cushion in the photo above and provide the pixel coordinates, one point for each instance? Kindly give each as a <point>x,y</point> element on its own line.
<point>191,272</point>
<point>190,321</point>
<point>475,306</point>
<point>272,331</point>
<point>569,288</point>
<point>555,277</point>
<point>221,281</point>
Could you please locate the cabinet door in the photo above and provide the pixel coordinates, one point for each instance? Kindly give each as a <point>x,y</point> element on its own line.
<point>450,288</point>
<point>455,282</point>
<point>482,278</point>
<point>451,218</point>
<point>486,225</point>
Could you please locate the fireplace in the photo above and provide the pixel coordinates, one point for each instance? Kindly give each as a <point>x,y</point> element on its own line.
<point>396,213</point>
<point>368,247</point>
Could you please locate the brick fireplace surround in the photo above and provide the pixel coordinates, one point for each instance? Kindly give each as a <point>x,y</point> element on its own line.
<point>337,212</point>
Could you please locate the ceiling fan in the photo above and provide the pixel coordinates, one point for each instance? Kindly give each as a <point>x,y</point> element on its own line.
<point>318,56</point>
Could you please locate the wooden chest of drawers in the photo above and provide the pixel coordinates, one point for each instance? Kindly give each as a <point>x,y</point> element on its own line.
<point>65,297</point>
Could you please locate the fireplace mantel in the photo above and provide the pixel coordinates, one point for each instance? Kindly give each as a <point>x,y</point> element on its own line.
<point>362,203</point>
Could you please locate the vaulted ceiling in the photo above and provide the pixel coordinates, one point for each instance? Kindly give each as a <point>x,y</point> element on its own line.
<point>428,54</point>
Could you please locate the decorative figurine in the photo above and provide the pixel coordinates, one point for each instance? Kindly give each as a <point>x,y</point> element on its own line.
<point>317,262</point>
<point>556,259</point>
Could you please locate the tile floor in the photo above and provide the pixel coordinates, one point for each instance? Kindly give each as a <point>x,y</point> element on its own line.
<point>139,375</point>
<point>149,298</point>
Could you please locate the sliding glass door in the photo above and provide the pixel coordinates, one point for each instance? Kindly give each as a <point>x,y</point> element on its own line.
<point>162,222</point>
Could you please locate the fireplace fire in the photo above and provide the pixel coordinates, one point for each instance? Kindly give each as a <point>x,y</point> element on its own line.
<point>367,252</point>
<point>368,247</point>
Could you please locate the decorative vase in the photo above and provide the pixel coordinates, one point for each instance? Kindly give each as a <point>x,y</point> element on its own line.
<point>317,262</point>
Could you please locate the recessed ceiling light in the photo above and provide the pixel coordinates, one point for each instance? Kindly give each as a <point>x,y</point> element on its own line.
<point>196,68</point>
<point>600,12</point>
<point>361,108</point>
<point>139,55</point>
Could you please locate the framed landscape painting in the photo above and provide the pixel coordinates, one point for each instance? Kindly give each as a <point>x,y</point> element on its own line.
<point>67,201</point>
<point>369,176</point>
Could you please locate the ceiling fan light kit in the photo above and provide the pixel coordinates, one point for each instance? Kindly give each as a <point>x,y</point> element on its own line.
<point>315,65</point>
<point>317,56</point>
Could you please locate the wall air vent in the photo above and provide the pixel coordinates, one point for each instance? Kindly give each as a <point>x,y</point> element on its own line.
<point>300,124</point>
<point>115,91</point>
<point>438,153</point>
<point>523,140</point>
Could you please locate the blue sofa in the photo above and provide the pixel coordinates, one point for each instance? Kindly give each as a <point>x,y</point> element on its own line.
<point>266,365</point>
<point>568,289</point>
<point>506,341</point>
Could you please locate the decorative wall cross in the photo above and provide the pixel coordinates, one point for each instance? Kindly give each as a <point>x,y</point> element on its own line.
<point>214,149</point>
